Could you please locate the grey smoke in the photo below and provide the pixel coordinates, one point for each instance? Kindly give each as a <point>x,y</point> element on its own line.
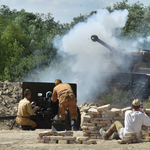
<point>84,61</point>
<point>142,40</point>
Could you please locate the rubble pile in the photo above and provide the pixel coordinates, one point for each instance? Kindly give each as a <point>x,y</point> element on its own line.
<point>10,95</point>
<point>94,118</point>
<point>145,133</point>
<point>130,137</point>
<point>62,137</point>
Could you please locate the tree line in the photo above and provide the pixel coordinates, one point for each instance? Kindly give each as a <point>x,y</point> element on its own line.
<point>26,38</point>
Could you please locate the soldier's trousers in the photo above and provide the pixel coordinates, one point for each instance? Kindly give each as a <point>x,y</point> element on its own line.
<point>72,107</point>
<point>26,122</point>
<point>116,126</point>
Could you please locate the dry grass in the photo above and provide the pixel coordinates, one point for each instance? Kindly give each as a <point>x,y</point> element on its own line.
<point>118,98</point>
<point>146,104</point>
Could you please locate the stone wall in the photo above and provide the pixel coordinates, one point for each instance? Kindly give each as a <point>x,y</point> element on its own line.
<point>94,118</point>
<point>10,95</point>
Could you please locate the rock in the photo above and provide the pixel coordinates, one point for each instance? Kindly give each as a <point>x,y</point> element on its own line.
<point>130,134</point>
<point>1,98</point>
<point>86,134</point>
<point>125,109</point>
<point>82,138</point>
<point>109,112</point>
<point>135,141</point>
<point>86,108</point>
<point>124,141</point>
<point>104,107</point>
<point>101,125</point>
<point>46,137</point>
<point>95,122</point>
<point>84,127</point>
<point>98,119</point>
<point>63,141</point>
<point>93,111</point>
<point>72,142</point>
<point>88,124</point>
<point>65,133</point>
<point>105,121</point>
<point>119,118</point>
<point>129,137</point>
<point>82,115</point>
<point>56,137</point>
<point>68,138</point>
<point>52,141</point>
<point>94,107</point>
<point>88,131</point>
<point>113,115</point>
<point>44,133</point>
<point>92,104</point>
<point>147,110</point>
<point>116,110</point>
<point>107,118</point>
<point>92,128</point>
<point>87,117</point>
<point>7,92</point>
<point>120,141</point>
<point>3,102</point>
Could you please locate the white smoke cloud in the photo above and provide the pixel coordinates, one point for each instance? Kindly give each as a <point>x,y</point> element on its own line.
<point>142,40</point>
<point>142,43</point>
<point>86,60</point>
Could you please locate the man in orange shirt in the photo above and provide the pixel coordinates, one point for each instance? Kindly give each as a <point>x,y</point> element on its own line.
<point>64,93</point>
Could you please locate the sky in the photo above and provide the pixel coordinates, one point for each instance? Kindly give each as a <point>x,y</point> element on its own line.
<point>63,10</point>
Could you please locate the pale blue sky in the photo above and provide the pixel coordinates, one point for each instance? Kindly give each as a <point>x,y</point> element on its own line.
<point>63,10</point>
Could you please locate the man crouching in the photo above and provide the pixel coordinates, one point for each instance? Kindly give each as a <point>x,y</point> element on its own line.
<point>25,110</point>
<point>134,119</point>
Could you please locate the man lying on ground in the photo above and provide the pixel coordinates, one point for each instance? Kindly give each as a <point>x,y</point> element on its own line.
<point>134,119</point>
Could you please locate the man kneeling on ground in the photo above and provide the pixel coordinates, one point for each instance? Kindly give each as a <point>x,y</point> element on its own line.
<point>25,110</point>
<point>134,119</point>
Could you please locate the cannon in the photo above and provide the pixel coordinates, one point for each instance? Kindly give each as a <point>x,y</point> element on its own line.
<point>133,73</point>
<point>95,38</point>
<point>45,117</point>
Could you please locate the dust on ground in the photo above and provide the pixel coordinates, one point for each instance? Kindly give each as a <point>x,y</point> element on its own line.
<point>27,140</point>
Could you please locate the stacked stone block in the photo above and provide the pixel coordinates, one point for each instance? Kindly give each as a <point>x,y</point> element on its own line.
<point>93,120</point>
<point>96,118</point>
<point>130,137</point>
<point>145,133</point>
<point>62,137</point>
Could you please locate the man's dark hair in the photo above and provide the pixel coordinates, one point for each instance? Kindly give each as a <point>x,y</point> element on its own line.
<point>136,107</point>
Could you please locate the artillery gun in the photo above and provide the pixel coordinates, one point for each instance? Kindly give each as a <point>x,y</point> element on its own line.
<point>135,76</point>
<point>41,94</point>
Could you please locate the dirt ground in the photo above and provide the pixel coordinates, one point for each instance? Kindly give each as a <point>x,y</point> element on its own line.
<point>17,139</point>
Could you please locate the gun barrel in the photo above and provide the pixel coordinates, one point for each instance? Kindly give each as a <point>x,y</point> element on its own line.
<point>95,38</point>
<point>7,117</point>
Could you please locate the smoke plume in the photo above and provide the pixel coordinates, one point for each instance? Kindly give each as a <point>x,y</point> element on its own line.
<point>83,61</point>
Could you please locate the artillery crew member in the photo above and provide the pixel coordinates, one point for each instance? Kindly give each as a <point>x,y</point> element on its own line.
<point>25,110</point>
<point>134,119</point>
<point>64,93</point>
